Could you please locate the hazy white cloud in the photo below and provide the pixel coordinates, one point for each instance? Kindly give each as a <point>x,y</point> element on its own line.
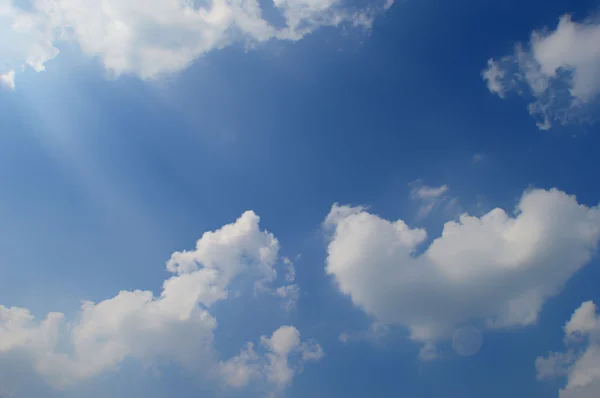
<point>555,364</point>
<point>8,79</point>
<point>478,157</point>
<point>289,295</point>
<point>428,197</point>
<point>428,352</point>
<point>374,333</point>
<point>174,326</point>
<point>160,37</point>
<point>426,192</point>
<point>559,69</point>
<point>580,364</point>
<point>290,274</point>
<point>496,270</point>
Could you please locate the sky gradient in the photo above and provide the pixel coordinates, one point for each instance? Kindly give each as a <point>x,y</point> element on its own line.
<point>299,198</point>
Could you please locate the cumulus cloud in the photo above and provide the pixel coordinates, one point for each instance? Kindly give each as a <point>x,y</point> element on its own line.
<point>174,326</point>
<point>496,270</point>
<point>558,69</point>
<point>580,364</point>
<point>284,358</point>
<point>160,37</point>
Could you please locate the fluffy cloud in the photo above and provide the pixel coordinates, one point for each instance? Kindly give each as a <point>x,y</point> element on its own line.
<point>559,69</point>
<point>283,347</point>
<point>496,270</point>
<point>160,37</point>
<point>175,326</point>
<point>580,365</point>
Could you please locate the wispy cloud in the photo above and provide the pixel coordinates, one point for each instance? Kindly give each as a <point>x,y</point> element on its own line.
<point>428,197</point>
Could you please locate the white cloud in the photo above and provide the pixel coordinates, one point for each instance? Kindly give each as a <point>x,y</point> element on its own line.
<point>555,364</point>
<point>478,157</point>
<point>426,192</point>
<point>160,37</point>
<point>175,326</point>
<point>290,275</point>
<point>494,75</point>
<point>290,295</point>
<point>580,365</point>
<point>430,197</point>
<point>283,347</point>
<point>583,321</point>
<point>497,270</point>
<point>8,79</point>
<point>560,69</point>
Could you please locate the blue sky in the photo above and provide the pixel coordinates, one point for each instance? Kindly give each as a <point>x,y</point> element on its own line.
<point>113,158</point>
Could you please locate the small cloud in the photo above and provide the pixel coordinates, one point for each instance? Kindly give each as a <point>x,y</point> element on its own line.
<point>8,80</point>
<point>493,76</point>
<point>478,157</point>
<point>284,358</point>
<point>428,352</point>
<point>290,273</point>
<point>430,197</point>
<point>427,192</point>
<point>290,295</point>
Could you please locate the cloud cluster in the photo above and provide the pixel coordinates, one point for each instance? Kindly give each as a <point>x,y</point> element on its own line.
<point>175,326</point>
<point>579,364</point>
<point>559,69</point>
<point>157,37</point>
<point>496,270</point>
